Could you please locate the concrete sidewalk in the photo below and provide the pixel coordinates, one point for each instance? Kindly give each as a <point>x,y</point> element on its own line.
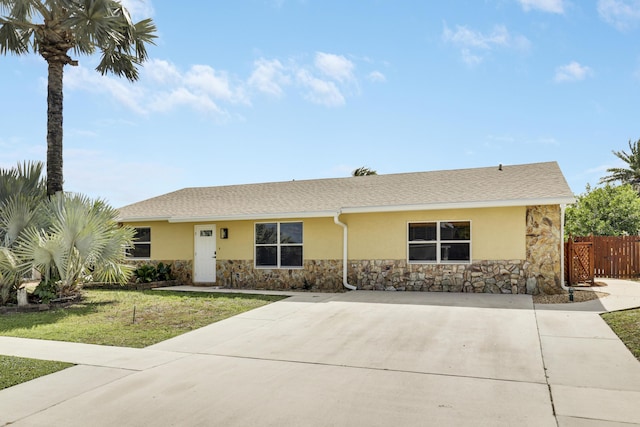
<point>359,358</point>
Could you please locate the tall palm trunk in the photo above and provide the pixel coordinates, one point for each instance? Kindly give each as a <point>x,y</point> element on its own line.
<point>54,127</point>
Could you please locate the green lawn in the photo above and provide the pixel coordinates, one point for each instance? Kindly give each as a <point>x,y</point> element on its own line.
<point>118,318</point>
<point>130,318</point>
<point>626,324</point>
<point>16,370</point>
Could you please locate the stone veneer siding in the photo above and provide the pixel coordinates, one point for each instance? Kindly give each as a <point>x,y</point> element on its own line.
<point>316,275</point>
<point>493,276</point>
<point>391,275</point>
<point>543,242</point>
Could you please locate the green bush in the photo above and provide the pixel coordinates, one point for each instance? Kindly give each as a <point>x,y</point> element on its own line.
<point>149,273</point>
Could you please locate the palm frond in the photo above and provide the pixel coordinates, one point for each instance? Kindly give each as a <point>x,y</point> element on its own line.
<point>16,214</point>
<point>629,174</point>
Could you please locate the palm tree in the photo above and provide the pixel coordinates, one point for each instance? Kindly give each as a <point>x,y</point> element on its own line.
<point>82,241</point>
<point>22,191</point>
<point>363,171</point>
<point>52,28</point>
<point>630,174</point>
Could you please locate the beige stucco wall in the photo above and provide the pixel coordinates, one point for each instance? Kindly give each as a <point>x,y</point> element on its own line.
<point>169,241</point>
<point>496,233</point>
<point>322,239</point>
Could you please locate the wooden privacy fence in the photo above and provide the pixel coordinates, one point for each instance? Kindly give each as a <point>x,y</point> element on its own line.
<point>616,257</point>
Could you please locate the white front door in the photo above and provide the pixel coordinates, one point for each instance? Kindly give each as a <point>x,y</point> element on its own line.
<point>204,255</point>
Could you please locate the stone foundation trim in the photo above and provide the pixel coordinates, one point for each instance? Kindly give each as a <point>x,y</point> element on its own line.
<point>489,276</point>
<point>315,275</point>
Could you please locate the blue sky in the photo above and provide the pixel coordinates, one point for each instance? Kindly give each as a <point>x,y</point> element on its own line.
<point>272,90</point>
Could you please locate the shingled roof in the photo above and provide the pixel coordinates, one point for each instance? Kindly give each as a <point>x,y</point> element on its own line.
<point>518,185</point>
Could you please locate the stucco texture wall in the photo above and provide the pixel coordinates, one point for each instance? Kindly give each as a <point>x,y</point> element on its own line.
<point>496,233</point>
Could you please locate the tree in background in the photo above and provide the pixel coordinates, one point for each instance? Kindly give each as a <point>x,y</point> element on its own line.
<point>630,174</point>
<point>604,211</point>
<point>51,28</point>
<point>363,171</point>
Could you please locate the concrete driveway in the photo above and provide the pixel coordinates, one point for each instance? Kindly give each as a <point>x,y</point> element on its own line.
<point>360,358</point>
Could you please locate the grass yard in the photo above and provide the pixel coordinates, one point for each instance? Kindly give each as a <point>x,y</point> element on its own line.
<point>16,370</point>
<point>626,324</point>
<point>119,318</point>
<point>130,318</point>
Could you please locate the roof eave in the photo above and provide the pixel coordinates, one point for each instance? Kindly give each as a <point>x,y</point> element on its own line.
<point>143,219</point>
<point>361,209</point>
<point>461,205</point>
<point>275,215</point>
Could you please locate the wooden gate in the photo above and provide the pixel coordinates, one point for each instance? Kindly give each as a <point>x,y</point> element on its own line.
<point>616,257</point>
<point>579,262</point>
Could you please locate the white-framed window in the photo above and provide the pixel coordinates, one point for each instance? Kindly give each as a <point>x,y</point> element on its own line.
<point>439,242</point>
<point>278,245</point>
<point>141,243</point>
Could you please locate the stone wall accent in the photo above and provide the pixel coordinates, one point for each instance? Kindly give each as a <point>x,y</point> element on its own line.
<point>491,276</point>
<point>181,270</point>
<point>543,242</point>
<point>316,275</point>
<point>505,276</point>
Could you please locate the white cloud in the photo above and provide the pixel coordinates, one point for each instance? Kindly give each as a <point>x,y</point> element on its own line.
<point>551,6</point>
<point>376,77</point>
<point>336,67</point>
<point>203,78</point>
<point>138,9</point>
<point>472,43</point>
<point>325,82</point>
<point>269,76</point>
<point>163,86</point>
<point>167,101</point>
<point>622,14</point>
<point>572,72</point>
<point>469,58</point>
<point>161,71</point>
<point>124,92</point>
<point>320,91</point>
<point>468,38</point>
